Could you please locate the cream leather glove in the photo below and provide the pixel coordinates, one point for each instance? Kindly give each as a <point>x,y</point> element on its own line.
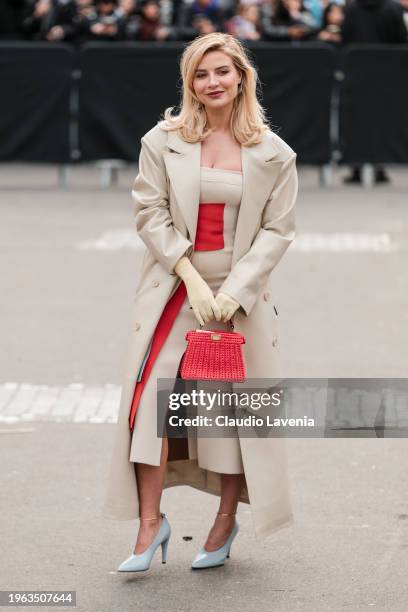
<point>227,305</point>
<point>199,294</point>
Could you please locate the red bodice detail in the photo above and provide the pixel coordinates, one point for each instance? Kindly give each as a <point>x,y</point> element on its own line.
<point>210,227</point>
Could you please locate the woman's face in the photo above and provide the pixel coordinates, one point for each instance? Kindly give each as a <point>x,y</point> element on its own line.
<point>128,5</point>
<point>216,73</point>
<point>251,13</point>
<point>293,5</point>
<point>151,10</point>
<point>105,8</point>
<point>335,16</point>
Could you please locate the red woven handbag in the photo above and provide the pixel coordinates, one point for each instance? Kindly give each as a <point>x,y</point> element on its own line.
<point>213,354</point>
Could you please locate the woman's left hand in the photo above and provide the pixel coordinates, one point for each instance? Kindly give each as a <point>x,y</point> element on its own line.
<point>227,306</point>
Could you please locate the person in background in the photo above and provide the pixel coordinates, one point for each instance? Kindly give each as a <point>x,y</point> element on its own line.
<point>373,21</point>
<point>315,8</point>
<point>131,18</point>
<point>333,16</point>
<point>246,24</point>
<point>105,23</point>
<point>404,4</point>
<point>128,7</point>
<point>150,24</point>
<point>85,8</point>
<point>85,14</point>
<point>34,18</point>
<point>287,20</point>
<point>51,20</point>
<point>198,18</point>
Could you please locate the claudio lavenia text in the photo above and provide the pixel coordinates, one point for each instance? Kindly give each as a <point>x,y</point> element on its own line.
<point>247,421</point>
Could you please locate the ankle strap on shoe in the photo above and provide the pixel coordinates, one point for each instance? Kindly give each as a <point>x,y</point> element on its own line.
<point>225,514</point>
<point>151,518</point>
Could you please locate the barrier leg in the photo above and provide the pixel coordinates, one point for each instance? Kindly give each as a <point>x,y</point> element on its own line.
<point>63,173</point>
<point>110,171</point>
<point>326,175</point>
<point>367,175</point>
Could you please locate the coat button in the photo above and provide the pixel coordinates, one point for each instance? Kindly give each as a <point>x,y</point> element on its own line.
<point>267,296</point>
<point>274,341</point>
<point>156,283</point>
<point>137,326</point>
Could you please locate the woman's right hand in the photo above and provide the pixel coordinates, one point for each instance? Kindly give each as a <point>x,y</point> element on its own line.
<point>202,300</point>
<point>199,294</point>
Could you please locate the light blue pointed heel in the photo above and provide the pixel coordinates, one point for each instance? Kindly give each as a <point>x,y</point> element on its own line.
<point>142,561</point>
<point>217,557</point>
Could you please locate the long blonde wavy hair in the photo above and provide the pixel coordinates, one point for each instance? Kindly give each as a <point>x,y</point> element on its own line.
<point>248,119</point>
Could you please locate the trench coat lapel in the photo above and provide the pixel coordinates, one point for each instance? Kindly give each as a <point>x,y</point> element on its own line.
<point>259,168</point>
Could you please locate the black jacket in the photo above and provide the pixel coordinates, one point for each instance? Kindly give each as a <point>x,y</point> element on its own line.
<point>374,21</point>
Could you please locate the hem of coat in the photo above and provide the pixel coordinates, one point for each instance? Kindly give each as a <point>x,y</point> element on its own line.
<point>204,489</point>
<point>263,532</point>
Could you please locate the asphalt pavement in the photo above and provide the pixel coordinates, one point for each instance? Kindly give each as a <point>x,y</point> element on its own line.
<point>69,268</point>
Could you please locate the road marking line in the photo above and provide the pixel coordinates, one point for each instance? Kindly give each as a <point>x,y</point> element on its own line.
<point>355,242</point>
<point>76,402</point>
<point>344,242</point>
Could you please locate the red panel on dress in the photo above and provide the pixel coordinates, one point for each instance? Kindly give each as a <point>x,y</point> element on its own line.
<point>209,237</point>
<point>210,227</point>
<point>161,332</point>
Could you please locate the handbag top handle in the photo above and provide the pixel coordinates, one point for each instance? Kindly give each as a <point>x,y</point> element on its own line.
<point>230,321</point>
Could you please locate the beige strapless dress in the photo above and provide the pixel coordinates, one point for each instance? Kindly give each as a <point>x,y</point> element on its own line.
<point>218,454</point>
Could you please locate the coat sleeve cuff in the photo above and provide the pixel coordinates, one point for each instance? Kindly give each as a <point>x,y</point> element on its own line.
<point>186,250</point>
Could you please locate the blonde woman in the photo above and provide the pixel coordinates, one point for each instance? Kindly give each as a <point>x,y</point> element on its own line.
<point>214,204</point>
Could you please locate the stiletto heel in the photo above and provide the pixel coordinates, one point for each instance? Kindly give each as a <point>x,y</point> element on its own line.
<point>142,561</point>
<point>217,557</point>
<point>164,546</point>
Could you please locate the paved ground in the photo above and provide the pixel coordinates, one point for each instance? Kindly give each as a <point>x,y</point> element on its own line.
<point>69,267</point>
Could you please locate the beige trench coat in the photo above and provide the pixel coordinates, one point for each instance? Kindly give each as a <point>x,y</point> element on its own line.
<point>166,195</point>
